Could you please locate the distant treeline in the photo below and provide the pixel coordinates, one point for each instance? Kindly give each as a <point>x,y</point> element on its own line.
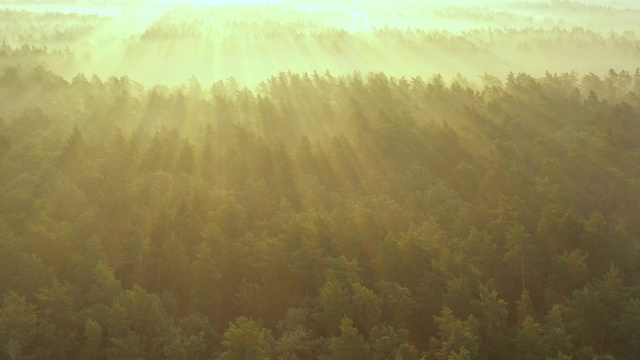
<point>169,44</point>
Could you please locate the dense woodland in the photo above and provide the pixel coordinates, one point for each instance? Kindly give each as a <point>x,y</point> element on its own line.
<point>320,216</point>
<point>387,188</point>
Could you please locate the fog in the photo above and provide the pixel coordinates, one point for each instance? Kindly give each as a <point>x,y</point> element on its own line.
<point>170,42</point>
<point>291,179</point>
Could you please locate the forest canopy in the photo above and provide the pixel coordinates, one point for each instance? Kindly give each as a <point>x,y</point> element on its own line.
<point>243,180</point>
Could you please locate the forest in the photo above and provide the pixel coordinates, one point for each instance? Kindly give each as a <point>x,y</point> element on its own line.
<point>322,212</point>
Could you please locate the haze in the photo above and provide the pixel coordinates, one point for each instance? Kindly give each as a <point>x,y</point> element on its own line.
<point>170,41</point>
<point>337,180</point>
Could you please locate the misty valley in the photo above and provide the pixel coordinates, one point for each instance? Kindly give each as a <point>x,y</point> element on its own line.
<point>290,179</point>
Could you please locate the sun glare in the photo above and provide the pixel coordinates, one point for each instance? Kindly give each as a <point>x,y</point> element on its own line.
<point>220,2</point>
<point>303,179</point>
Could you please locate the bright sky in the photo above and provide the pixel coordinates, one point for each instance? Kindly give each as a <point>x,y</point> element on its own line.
<point>221,2</point>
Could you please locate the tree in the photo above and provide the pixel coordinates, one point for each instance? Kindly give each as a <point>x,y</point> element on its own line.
<point>593,311</point>
<point>93,340</point>
<point>18,321</point>
<point>555,339</point>
<point>58,329</point>
<point>529,340</point>
<point>306,264</point>
<point>519,252</point>
<point>175,265</point>
<point>525,307</point>
<point>558,230</point>
<point>208,156</point>
<point>186,162</point>
<point>456,338</point>
<point>126,347</point>
<point>349,345</point>
<point>333,304</point>
<point>196,337</point>
<point>32,273</point>
<point>568,273</point>
<point>492,316</point>
<point>249,299</point>
<point>147,318</point>
<point>297,340</point>
<point>459,295</point>
<point>367,308</point>
<point>628,328</point>
<point>204,291</point>
<point>398,305</point>
<point>73,152</point>
<point>387,343</point>
<point>245,340</point>
<point>105,287</point>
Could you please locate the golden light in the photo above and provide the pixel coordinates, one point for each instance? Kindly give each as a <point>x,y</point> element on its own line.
<point>219,2</point>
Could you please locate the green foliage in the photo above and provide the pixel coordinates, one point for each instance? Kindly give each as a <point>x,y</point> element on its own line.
<point>492,316</point>
<point>245,340</point>
<point>525,307</point>
<point>389,343</point>
<point>333,304</point>
<point>93,340</point>
<point>297,340</point>
<point>529,339</point>
<point>141,223</point>
<point>18,325</point>
<point>349,344</point>
<point>458,339</point>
